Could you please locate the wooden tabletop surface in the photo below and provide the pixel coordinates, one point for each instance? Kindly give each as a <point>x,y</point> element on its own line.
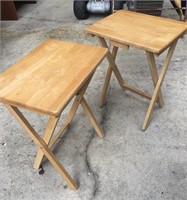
<point>147,32</point>
<point>48,78</point>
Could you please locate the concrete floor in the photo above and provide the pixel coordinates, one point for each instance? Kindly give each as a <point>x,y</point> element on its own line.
<point>127,164</point>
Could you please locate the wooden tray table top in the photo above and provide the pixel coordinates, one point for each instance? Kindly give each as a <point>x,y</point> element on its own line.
<point>46,79</point>
<point>146,32</point>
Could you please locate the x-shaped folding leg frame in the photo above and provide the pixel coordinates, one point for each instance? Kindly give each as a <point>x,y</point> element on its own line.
<point>44,144</point>
<point>157,79</point>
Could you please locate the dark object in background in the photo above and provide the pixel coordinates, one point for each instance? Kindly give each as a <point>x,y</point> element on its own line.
<point>183,4</point>
<point>155,7</point>
<point>8,9</point>
<point>149,7</point>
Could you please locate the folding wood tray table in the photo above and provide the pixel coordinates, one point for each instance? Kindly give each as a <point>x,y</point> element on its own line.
<point>152,34</point>
<point>45,81</point>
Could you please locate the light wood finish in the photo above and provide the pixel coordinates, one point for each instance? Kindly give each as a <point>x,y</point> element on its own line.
<point>119,78</point>
<point>53,121</point>
<point>152,34</point>
<point>178,4</point>
<point>71,114</point>
<point>46,138</point>
<point>55,69</point>
<point>107,79</point>
<point>119,45</point>
<point>45,81</point>
<point>111,61</point>
<point>93,120</point>
<point>154,74</point>
<point>158,85</point>
<point>42,145</point>
<point>137,91</point>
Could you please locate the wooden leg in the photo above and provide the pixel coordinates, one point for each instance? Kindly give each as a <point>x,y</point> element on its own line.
<point>69,118</point>
<point>158,85</point>
<point>102,100</point>
<point>42,145</point>
<point>112,67</point>
<point>178,4</point>
<point>79,99</point>
<point>107,79</point>
<point>47,137</point>
<point>93,120</point>
<point>51,127</point>
<point>54,120</point>
<point>72,112</point>
<point>112,62</point>
<point>154,74</point>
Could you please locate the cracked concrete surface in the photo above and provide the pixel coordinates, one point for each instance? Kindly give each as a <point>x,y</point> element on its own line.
<point>127,164</point>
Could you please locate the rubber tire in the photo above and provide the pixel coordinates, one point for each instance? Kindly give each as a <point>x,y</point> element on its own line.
<point>80,9</point>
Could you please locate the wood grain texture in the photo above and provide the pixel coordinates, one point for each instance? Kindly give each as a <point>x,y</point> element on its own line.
<point>49,77</point>
<point>150,33</point>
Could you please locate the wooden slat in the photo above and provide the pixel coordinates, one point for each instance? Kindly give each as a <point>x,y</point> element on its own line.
<point>49,77</point>
<point>119,45</point>
<point>150,33</point>
<point>137,91</point>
